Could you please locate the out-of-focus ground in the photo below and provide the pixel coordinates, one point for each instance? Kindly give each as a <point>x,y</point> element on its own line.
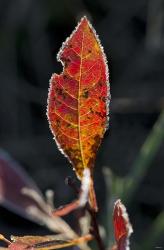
<point>132,34</point>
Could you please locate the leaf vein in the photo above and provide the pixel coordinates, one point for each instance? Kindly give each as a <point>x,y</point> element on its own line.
<point>65,103</point>
<point>67,91</point>
<point>79,104</point>
<point>85,72</point>
<point>86,138</point>
<point>75,51</point>
<point>71,123</point>
<point>68,135</point>
<point>88,124</point>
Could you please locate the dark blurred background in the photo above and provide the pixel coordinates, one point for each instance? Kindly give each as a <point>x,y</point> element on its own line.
<point>132,34</point>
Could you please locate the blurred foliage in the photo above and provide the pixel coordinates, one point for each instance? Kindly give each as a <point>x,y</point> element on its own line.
<point>124,188</point>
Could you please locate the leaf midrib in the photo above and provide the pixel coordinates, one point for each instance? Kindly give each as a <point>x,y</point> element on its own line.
<point>79,93</point>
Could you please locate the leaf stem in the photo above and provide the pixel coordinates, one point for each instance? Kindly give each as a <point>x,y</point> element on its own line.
<point>95,229</point>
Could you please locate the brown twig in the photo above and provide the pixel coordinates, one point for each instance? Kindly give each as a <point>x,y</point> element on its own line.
<point>71,182</point>
<point>95,228</point>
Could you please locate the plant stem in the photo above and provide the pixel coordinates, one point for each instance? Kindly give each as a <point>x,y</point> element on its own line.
<point>71,182</point>
<point>95,229</point>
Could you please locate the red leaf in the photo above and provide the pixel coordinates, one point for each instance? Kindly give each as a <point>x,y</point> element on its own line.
<point>78,99</point>
<point>122,226</point>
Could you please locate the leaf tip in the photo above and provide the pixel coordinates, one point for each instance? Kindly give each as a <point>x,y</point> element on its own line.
<point>84,19</point>
<point>122,226</point>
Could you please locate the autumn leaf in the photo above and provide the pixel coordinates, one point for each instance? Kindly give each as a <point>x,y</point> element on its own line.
<point>78,99</point>
<point>122,227</point>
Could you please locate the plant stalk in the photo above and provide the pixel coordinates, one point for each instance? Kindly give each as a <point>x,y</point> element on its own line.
<point>95,229</point>
<point>146,155</point>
